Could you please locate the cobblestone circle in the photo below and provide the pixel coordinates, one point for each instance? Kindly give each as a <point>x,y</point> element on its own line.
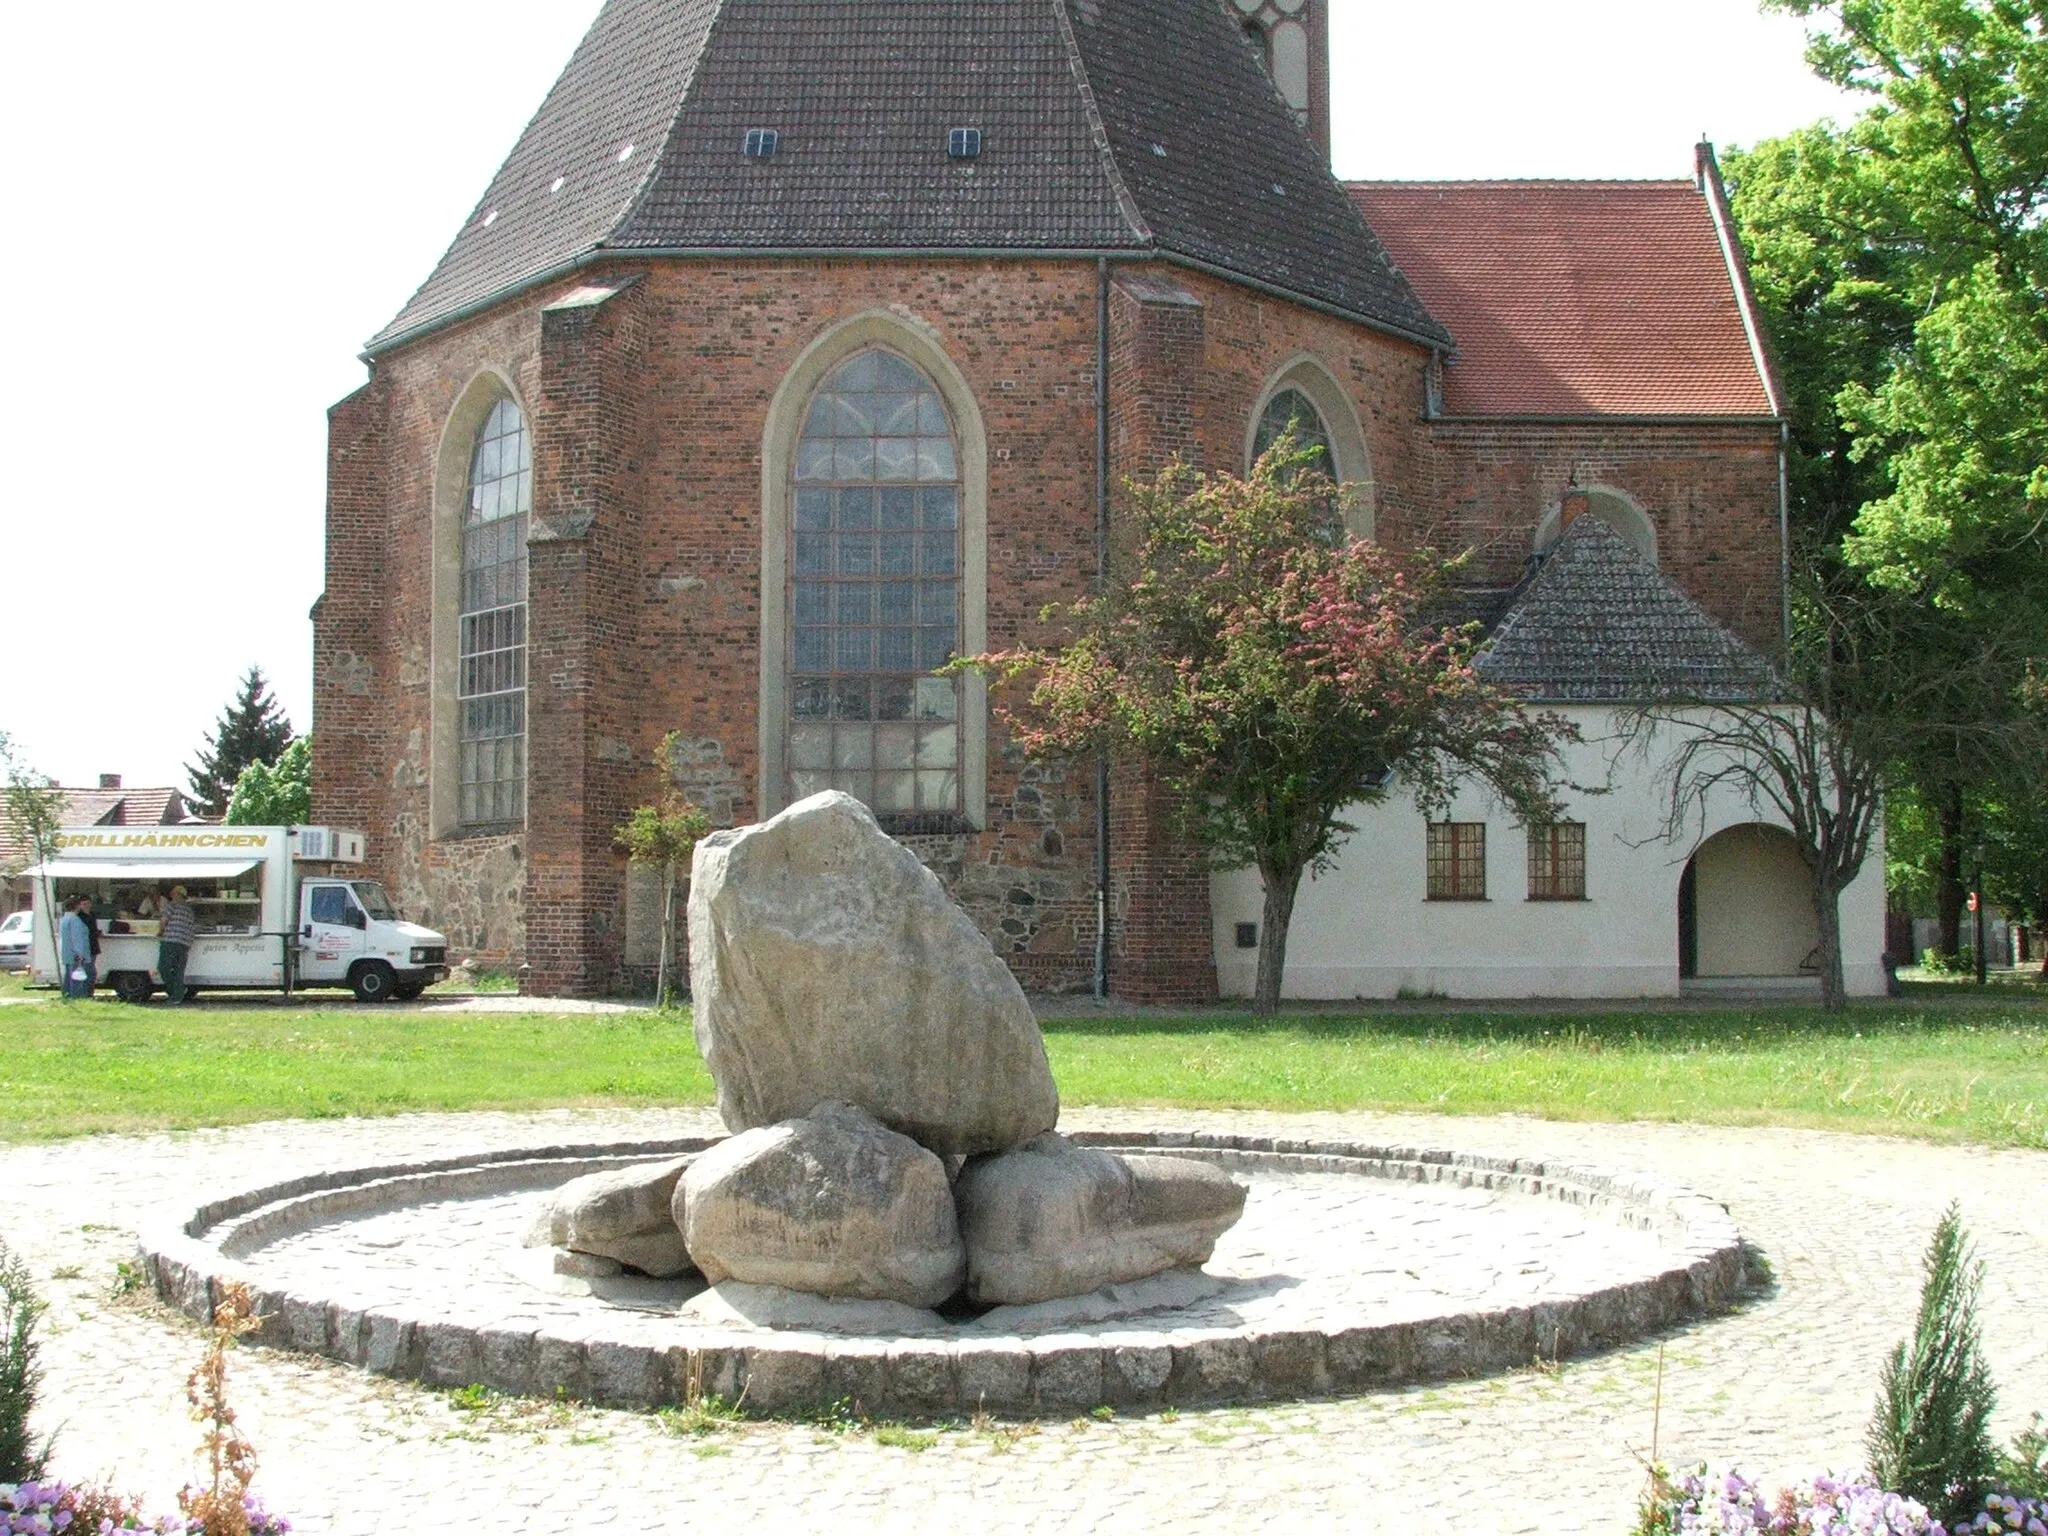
<point>1354,1267</point>
<point>1783,1386</point>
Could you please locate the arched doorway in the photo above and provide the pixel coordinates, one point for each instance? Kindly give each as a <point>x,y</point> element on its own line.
<point>1744,908</point>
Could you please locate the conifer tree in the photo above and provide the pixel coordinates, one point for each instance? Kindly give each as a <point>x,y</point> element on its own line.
<point>1930,1438</point>
<point>252,729</point>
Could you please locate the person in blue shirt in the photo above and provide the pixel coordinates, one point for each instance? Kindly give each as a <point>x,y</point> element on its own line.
<point>75,949</point>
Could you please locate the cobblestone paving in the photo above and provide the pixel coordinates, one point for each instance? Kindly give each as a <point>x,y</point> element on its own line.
<point>1312,1251</point>
<point>1783,1386</point>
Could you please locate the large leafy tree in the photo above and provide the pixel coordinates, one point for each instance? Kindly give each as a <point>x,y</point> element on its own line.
<point>252,728</point>
<point>1900,261</point>
<point>1274,672</point>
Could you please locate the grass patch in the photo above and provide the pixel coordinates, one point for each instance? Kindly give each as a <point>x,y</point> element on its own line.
<point>1956,1067</point>
<point>1943,1064</point>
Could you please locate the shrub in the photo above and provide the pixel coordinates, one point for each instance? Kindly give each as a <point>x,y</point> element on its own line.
<point>2024,1469</point>
<point>1930,1437</point>
<point>40,1509</point>
<point>21,1459</point>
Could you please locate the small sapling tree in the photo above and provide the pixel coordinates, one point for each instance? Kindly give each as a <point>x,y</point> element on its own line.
<point>664,836</point>
<point>34,808</point>
<point>1274,671</point>
<point>1931,1435</point>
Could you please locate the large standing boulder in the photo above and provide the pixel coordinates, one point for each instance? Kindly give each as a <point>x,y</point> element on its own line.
<point>834,1203</point>
<point>1051,1219</point>
<point>827,963</point>
<point>623,1214</point>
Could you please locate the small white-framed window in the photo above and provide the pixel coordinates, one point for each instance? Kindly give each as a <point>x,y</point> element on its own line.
<point>874,604</point>
<point>491,622</point>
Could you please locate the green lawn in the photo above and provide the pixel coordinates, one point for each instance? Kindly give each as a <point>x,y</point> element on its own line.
<point>1951,1064</point>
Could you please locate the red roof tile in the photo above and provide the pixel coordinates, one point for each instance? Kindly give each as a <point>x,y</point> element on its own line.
<point>1587,298</point>
<point>102,807</point>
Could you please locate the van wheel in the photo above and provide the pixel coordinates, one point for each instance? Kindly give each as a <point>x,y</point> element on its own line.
<point>132,986</point>
<point>407,991</point>
<point>373,982</point>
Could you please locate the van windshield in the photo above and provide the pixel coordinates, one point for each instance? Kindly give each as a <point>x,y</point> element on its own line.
<point>374,901</point>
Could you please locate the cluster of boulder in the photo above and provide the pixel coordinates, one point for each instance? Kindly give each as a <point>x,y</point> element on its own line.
<point>892,1109</point>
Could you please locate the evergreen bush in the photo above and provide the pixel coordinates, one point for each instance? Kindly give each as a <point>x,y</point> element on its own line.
<point>22,1460</point>
<point>1930,1438</point>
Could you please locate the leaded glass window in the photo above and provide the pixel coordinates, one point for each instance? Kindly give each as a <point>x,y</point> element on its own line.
<point>491,687</point>
<point>1557,862</point>
<point>875,593</point>
<point>1290,408</point>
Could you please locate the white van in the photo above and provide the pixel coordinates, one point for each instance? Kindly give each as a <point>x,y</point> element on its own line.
<point>277,907</point>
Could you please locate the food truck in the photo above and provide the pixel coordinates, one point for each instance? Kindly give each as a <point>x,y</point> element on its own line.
<point>277,908</point>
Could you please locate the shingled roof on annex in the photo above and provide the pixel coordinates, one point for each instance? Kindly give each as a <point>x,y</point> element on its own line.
<point>1598,623</point>
<point>1118,127</point>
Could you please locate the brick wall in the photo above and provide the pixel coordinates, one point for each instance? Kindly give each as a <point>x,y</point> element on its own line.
<point>1710,491</point>
<point>648,413</point>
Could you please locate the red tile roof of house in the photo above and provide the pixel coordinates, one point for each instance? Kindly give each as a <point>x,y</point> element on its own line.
<point>1584,298</point>
<point>161,807</point>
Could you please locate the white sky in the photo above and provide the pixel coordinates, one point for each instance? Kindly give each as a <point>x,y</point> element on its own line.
<point>208,208</point>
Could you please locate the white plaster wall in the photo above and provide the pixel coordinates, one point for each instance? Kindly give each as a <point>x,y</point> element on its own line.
<point>1755,918</point>
<point>1364,930</point>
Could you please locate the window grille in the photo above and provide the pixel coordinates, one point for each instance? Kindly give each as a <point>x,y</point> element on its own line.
<point>1457,861</point>
<point>875,594</point>
<point>491,653</point>
<point>963,143</point>
<point>761,143</point>
<point>1557,862</point>
<point>1292,408</point>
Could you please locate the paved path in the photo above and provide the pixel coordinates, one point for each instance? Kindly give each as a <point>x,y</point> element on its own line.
<point>1783,1387</point>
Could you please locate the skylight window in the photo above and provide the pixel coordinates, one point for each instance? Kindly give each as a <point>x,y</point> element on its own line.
<point>964,143</point>
<point>760,144</point>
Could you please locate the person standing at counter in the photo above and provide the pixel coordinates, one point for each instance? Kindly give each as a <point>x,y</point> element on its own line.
<point>76,943</point>
<point>174,943</point>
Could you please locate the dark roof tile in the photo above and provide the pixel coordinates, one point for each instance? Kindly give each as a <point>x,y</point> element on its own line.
<point>1599,623</point>
<point>1107,125</point>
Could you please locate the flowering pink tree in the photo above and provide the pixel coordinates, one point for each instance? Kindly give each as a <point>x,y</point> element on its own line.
<point>1273,671</point>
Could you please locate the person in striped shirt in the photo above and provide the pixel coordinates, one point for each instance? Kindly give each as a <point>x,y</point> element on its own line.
<point>174,943</point>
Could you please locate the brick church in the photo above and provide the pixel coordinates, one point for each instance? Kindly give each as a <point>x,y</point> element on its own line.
<point>799,345</point>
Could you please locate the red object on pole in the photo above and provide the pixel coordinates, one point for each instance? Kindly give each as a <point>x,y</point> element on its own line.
<point>1973,901</point>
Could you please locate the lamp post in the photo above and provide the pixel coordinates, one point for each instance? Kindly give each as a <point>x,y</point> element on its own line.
<point>1977,916</point>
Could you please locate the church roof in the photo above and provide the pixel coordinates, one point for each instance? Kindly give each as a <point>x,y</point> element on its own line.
<point>1599,623</point>
<point>1580,298</point>
<point>1140,126</point>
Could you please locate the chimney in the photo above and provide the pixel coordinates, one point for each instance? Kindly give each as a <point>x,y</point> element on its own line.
<point>110,781</point>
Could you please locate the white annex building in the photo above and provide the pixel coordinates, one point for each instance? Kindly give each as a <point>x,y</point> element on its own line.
<point>1611,902</point>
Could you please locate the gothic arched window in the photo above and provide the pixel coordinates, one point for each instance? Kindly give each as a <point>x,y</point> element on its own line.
<point>1290,409</point>
<point>874,602</point>
<point>491,651</point>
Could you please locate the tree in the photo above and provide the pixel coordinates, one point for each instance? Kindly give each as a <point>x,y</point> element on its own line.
<point>252,729</point>
<point>276,794</point>
<point>35,808</point>
<point>1273,672</point>
<point>1813,746</point>
<point>664,835</point>
<point>1900,264</point>
<point>1930,1437</point>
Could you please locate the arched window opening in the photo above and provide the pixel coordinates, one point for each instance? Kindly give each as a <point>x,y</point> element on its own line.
<point>491,650</point>
<point>1291,410</point>
<point>874,603</point>
<point>1611,508</point>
